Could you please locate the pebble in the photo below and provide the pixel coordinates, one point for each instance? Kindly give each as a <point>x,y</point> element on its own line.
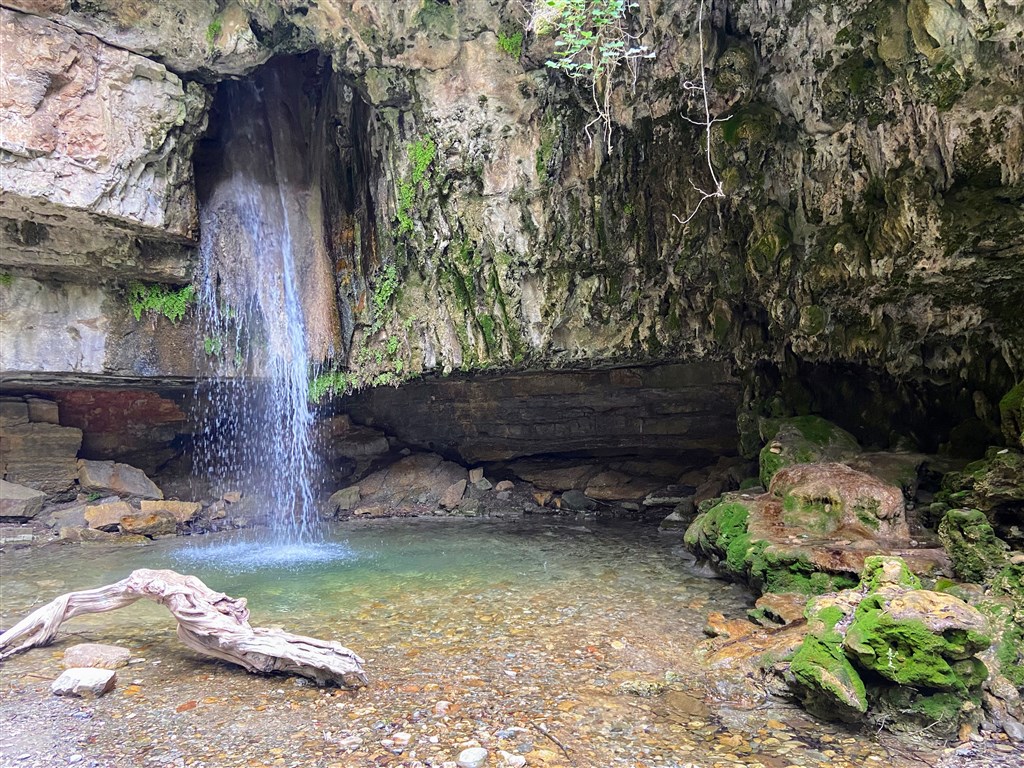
<point>473,757</point>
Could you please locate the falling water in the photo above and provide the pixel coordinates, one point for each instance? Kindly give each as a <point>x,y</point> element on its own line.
<point>261,255</point>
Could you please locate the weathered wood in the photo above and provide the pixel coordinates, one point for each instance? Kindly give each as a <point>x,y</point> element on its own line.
<point>208,622</point>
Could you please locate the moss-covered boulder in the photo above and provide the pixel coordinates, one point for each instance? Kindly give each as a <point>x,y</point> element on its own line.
<point>802,440</point>
<point>968,538</point>
<point>810,533</point>
<point>888,643</point>
<point>988,484</point>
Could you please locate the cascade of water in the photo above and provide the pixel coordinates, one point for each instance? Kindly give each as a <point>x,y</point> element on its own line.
<point>256,244</point>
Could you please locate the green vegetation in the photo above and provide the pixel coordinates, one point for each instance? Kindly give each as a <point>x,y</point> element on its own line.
<point>421,154</point>
<point>384,291</point>
<point>212,346</point>
<point>6,278</point>
<point>330,383</point>
<point>512,44</point>
<point>213,31</point>
<point>161,300</point>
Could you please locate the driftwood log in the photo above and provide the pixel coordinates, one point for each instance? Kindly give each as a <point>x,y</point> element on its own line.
<point>208,622</point>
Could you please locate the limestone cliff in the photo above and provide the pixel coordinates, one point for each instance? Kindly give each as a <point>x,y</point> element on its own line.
<point>872,154</point>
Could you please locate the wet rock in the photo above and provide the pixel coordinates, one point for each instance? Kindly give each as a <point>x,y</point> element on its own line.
<point>101,537</point>
<point>554,478</point>
<point>86,682</point>
<point>994,485</point>
<point>778,610</point>
<point>115,478</point>
<point>802,440</point>
<point>156,523</point>
<point>19,502</point>
<point>577,501</point>
<point>18,535</point>
<point>106,517</point>
<point>1013,730</point>
<point>670,496</point>
<point>470,507</point>
<point>483,484</point>
<point>675,521</point>
<point>182,511</point>
<point>96,655</point>
<point>971,543</point>
<point>1011,416</point>
<point>612,485</point>
<point>542,498</point>
<point>231,497</point>
<point>70,517</point>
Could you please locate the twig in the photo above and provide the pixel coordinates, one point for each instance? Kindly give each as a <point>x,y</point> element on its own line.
<point>543,729</point>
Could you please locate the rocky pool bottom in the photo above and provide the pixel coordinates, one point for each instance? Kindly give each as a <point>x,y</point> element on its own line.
<point>554,642</point>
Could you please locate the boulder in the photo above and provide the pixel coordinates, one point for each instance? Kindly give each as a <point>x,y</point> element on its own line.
<point>811,532</point>
<point>109,515</point>
<point>92,535</point>
<point>112,477</point>
<point>182,511</point>
<point>504,485</point>
<point>990,484</point>
<point>802,440</point>
<point>69,517</point>
<point>554,478</point>
<point>1011,416</point>
<point>412,485</point>
<point>96,655</point>
<point>86,682</point>
<point>889,644</point>
<point>612,485</point>
<point>577,501</point>
<point>19,502</point>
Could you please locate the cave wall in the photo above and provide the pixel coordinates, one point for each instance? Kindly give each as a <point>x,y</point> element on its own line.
<point>871,158</point>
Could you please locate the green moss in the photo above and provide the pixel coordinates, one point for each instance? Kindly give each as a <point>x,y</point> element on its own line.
<point>512,44</point>
<point>164,300</point>
<point>1011,415</point>
<point>330,383</point>
<point>829,685</point>
<point>384,291</point>
<point>487,329</point>
<point>906,652</point>
<point>971,544</point>
<point>6,279</point>
<point>882,570</point>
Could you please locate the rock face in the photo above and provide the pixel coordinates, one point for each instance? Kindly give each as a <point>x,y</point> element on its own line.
<point>871,166</point>
<point>121,117</point>
<point>37,453</point>
<point>413,484</point>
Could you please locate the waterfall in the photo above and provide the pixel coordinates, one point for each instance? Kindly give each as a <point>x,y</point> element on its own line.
<point>267,306</point>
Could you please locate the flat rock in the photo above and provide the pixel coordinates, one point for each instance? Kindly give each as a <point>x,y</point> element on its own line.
<point>343,500</point>
<point>69,517</point>
<point>41,456</point>
<point>158,523</point>
<point>612,485</point>
<point>92,535</point>
<point>86,682</point>
<point>19,501</point>
<point>109,515</point>
<point>117,478</point>
<point>577,500</point>
<point>96,655</point>
<point>181,511</point>
<point>414,484</point>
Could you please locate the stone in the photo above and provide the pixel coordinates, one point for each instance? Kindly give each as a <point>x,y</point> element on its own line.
<point>231,497</point>
<point>1014,730</point>
<point>802,440</point>
<point>669,496</point>
<point>13,412</point>
<point>19,535</point>
<point>42,411</point>
<point>92,535</point>
<point>470,507</point>
<point>824,498</point>
<point>108,516</point>
<point>548,478</point>
<point>504,485</point>
<point>483,484</point>
<point>675,521</point>
<point>577,501</point>
<point>474,757</point>
<point>156,523</point>
<point>968,538</point>
<point>543,498</point>
<point>182,511</point>
<point>85,682</point>
<point>343,500</point>
<point>112,477</point>
<point>41,456</point>
<point>96,655</point>
<point>412,485</point>
<point>18,502</point>
<point>476,475</point>
<point>453,495</point>
<point>70,517</point>
<point>611,485</point>
<point>779,609</point>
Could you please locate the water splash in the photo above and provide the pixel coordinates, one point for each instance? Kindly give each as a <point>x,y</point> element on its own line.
<point>261,241</point>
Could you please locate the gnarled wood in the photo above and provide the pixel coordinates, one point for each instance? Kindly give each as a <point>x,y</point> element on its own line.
<point>208,622</point>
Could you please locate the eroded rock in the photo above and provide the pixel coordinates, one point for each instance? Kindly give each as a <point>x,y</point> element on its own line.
<point>18,502</point>
<point>115,478</point>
